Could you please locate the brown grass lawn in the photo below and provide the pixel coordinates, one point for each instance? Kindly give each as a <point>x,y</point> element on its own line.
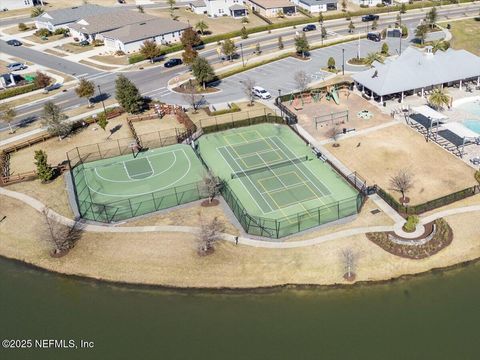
<point>74,48</point>
<point>39,40</point>
<point>216,25</point>
<point>56,149</point>
<point>14,29</point>
<point>111,59</point>
<point>165,125</point>
<point>466,35</point>
<point>171,258</point>
<point>384,152</point>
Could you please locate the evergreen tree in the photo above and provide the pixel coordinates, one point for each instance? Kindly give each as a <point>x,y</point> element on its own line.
<point>102,121</point>
<point>44,170</point>
<point>202,71</point>
<point>301,44</point>
<point>243,33</point>
<point>128,95</point>
<point>331,63</point>
<point>385,49</point>
<point>280,43</point>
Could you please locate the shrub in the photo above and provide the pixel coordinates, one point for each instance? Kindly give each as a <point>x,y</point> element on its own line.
<point>411,223</point>
<point>60,31</point>
<point>5,94</point>
<point>135,58</point>
<point>477,176</point>
<point>43,33</point>
<point>22,27</point>
<point>119,53</point>
<point>97,42</point>
<point>233,108</point>
<point>42,80</point>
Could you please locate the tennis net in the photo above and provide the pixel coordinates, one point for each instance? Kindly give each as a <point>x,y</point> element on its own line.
<point>268,167</point>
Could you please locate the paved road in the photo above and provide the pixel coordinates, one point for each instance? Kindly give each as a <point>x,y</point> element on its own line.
<point>278,75</point>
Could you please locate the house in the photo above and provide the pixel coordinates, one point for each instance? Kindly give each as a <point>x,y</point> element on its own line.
<point>7,79</point>
<point>366,2</point>
<point>416,71</point>
<point>130,38</point>
<point>316,6</point>
<point>61,18</point>
<point>18,4</point>
<point>215,8</point>
<point>271,8</point>
<point>92,27</point>
<point>198,7</point>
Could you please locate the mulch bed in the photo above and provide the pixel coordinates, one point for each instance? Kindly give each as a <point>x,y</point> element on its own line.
<point>441,239</point>
<point>206,203</point>
<point>186,88</point>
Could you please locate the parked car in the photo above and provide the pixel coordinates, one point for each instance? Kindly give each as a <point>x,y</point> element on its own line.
<point>121,1</point>
<point>173,62</point>
<point>14,42</point>
<point>375,36</point>
<point>158,58</point>
<point>309,27</point>
<point>52,87</point>
<point>16,66</point>
<point>370,17</point>
<point>84,43</point>
<point>261,92</point>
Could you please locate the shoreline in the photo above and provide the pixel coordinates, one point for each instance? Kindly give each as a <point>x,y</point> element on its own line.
<point>229,289</point>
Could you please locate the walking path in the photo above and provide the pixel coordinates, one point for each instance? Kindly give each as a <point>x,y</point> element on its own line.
<point>40,207</point>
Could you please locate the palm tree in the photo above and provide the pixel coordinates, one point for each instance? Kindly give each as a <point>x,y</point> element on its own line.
<point>440,45</point>
<point>372,57</point>
<point>439,98</point>
<point>202,26</point>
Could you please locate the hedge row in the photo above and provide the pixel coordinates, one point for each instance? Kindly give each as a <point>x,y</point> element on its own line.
<point>18,91</point>
<point>233,108</point>
<point>135,58</point>
<point>365,11</point>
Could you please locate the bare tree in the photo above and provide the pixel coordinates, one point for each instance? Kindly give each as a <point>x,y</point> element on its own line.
<point>248,86</point>
<point>301,79</point>
<point>402,182</point>
<point>349,259</point>
<point>210,233</point>
<point>211,186</point>
<point>60,237</point>
<point>193,99</point>
<point>333,134</point>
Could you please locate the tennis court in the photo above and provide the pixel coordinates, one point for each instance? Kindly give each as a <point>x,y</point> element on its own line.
<point>277,179</point>
<point>125,186</point>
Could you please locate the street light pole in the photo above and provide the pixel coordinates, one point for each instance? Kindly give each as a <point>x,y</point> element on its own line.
<point>401,33</point>
<point>280,101</point>
<point>343,61</point>
<point>101,98</point>
<point>241,51</point>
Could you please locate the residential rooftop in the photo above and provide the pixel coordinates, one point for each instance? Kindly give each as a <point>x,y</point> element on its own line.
<point>272,4</point>
<point>69,15</point>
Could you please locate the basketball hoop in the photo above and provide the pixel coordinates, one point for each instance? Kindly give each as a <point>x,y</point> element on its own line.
<point>135,148</point>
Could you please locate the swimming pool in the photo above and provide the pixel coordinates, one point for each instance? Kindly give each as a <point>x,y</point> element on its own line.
<point>473,125</point>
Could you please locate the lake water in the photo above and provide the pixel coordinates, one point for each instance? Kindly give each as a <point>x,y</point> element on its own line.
<point>429,317</point>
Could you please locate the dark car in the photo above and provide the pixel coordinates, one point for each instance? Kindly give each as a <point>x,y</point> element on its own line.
<point>309,27</point>
<point>14,42</point>
<point>84,43</point>
<point>370,17</point>
<point>172,62</point>
<point>374,36</point>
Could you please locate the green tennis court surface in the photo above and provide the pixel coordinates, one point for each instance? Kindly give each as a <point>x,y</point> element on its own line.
<point>277,179</point>
<point>123,187</point>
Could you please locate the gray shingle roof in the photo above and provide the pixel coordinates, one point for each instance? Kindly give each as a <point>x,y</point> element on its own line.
<point>146,30</point>
<point>415,69</point>
<point>69,15</point>
<point>237,7</point>
<point>318,2</point>
<point>117,19</point>
<point>197,3</point>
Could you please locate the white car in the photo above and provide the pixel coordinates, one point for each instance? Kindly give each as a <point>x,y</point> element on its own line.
<point>261,92</point>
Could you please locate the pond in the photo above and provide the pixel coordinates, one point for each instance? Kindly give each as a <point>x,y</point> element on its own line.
<point>432,316</point>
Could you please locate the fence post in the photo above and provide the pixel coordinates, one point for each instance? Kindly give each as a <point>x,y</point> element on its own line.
<point>131,208</point>
<point>79,157</point>
<point>99,152</point>
<point>119,150</point>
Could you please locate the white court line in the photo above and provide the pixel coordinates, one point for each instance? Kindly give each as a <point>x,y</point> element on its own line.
<point>241,182</point>
<point>148,192</point>
<point>153,174</point>
<point>302,171</point>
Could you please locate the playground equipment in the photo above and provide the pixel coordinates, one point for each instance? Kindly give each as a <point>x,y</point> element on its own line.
<point>337,118</point>
<point>332,94</point>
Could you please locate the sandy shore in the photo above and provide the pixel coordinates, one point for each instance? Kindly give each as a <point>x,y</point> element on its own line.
<point>170,259</point>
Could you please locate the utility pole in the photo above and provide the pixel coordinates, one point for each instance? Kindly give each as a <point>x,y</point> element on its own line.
<point>280,102</point>
<point>401,33</point>
<point>358,50</point>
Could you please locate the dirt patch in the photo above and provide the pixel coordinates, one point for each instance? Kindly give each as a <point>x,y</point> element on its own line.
<point>379,155</point>
<point>22,160</point>
<point>348,102</point>
<point>165,125</point>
